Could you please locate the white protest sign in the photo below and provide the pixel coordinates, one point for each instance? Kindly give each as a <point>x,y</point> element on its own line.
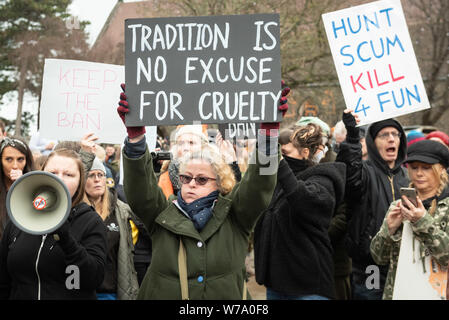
<point>375,61</point>
<point>415,279</point>
<point>79,97</point>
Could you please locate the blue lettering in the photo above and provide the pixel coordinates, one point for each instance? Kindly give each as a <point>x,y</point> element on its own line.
<point>376,24</point>
<point>339,28</point>
<point>347,55</point>
<point>358,52</point>
<point>360,25</point>
<point>381,103</point>
<point>416,97</point>
<point>396,40</point>
<point>360,108</point>
<point>395,102</point>
<point>374,51</point>
<point>388,15</point>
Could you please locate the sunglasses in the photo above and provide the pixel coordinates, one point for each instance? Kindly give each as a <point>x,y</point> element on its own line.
<point>198,180</point>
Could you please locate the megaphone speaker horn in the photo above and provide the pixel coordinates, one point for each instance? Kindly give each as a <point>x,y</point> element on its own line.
<point>38,202</point>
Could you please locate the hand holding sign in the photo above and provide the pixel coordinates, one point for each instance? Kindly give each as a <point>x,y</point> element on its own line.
<point>122,110</point>
<point>283,107</point>
<point>351,119</point>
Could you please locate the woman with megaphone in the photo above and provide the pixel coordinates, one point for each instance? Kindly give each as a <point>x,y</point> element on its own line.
<point>64,264</point>
<point>16,160</point>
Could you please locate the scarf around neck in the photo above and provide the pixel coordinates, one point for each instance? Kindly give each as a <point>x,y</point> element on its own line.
<point>200,210</point>
<point>297,165</point>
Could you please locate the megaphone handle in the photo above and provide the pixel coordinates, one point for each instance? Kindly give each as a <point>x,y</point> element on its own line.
<point>64,236</point>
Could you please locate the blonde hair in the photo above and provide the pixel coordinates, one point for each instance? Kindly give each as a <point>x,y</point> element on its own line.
<point>104,208</point>
<point>443,178</point>
<point>223,172</point>
<point>309,136</point>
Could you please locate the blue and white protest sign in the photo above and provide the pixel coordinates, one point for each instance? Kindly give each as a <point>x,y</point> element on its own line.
<point>375,61</point>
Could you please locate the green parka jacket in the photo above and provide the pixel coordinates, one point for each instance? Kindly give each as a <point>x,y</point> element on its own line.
<point>216,255</point>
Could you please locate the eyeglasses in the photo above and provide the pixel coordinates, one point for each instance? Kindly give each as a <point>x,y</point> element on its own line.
<point>99,175</point>
<point>198,180</point>
<point>12,143</point>
<point>384,136</point>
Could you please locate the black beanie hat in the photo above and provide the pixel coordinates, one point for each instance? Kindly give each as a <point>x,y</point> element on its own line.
<point>428,151</point>
<point>377,126</point>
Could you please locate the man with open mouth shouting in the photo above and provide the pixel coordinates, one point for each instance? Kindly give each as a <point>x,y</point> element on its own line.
<point>370,186</point>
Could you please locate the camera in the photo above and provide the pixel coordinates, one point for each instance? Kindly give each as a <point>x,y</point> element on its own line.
<point>161,155</point>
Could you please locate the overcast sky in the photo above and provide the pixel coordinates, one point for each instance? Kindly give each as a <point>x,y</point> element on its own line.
<point>95,11</point>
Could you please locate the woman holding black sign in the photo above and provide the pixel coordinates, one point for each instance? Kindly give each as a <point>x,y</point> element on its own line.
<point>200,237</point>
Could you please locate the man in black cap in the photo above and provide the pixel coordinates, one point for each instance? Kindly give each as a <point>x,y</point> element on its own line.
<point>371,185</point>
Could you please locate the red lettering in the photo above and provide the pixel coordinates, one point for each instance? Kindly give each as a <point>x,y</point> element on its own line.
<point>357,82</point>
<point>63,76</point>
<point>62,119</point>
<point>92,120</point>
<point>67,98</point>
<point>80,101</point>
<point>88,101</point>
<point>392,76</point>
<point>80,121</point>
<point>369,79</point>
<point>89,79</point>
<point>105,77</point>
<point>75,84</point>
<point>377,79</point>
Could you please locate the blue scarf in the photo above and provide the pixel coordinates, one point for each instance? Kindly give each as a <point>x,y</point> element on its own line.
<point>200,210</point>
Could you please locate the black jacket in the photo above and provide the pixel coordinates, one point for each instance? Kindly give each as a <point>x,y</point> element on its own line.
<point>85,249</point>
<point>293,252</point>
<point>370,188</point>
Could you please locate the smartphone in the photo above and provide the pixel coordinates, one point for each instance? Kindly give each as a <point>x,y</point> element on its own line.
<point>410,193</point>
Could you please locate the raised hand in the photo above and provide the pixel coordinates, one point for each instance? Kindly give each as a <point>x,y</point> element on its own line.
<point>88,143</point>
<point>351,119</point>
<point>283,107</point>
<point>123,109</point>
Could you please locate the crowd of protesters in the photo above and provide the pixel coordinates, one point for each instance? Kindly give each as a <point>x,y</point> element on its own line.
<point>318,205</point>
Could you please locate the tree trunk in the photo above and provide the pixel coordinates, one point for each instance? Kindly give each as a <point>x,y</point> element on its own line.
<point>21,93</point>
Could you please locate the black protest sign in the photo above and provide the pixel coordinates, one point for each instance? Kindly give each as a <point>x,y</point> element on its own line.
<point>230,131</point>
<point>212,69</point>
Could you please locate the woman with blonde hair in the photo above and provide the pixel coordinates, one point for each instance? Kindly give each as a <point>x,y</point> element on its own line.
<point>120,281</point>
<point>428,217</point>
<point>200,236</point>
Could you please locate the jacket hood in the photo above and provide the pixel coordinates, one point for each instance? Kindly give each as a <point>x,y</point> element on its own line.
<point>373,153</point>
<point>80,209</point>
<point>335,171</point>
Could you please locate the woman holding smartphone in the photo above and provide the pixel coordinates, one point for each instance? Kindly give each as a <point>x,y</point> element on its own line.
<point>427,163</point>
